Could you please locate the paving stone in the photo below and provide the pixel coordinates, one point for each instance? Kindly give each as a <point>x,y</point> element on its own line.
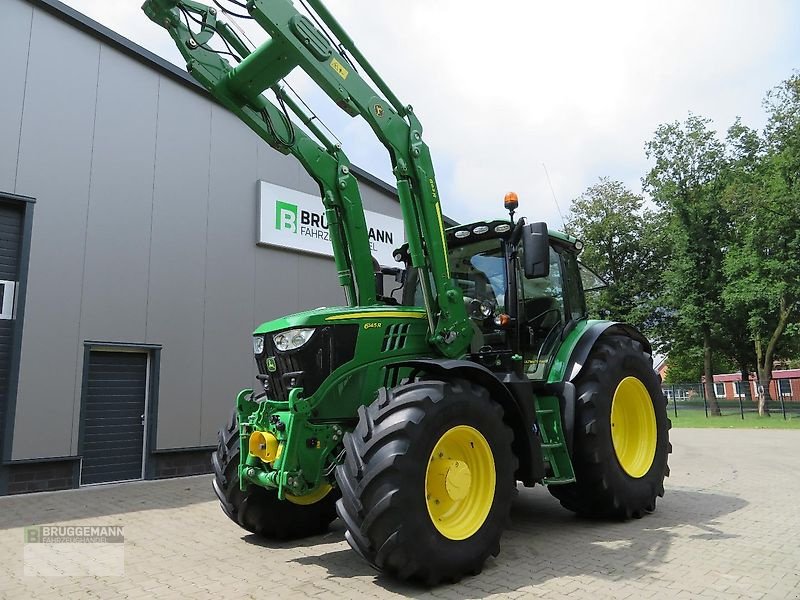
<point>727,528</point>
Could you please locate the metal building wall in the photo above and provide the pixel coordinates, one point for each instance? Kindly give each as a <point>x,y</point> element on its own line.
<point>144,231</point>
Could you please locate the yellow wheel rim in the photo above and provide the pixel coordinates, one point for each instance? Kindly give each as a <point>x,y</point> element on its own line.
<point>312,498</point>
<point>633,427</point>
<point>460,482</point>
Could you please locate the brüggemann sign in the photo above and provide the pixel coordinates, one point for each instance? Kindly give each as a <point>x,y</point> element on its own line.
<point>296,220</point>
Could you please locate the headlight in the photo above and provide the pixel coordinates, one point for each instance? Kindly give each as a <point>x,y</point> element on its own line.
<point>291,339</point>
<point>258,344</point>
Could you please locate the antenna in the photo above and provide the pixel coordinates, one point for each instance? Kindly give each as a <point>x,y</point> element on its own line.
<point>560,214</point>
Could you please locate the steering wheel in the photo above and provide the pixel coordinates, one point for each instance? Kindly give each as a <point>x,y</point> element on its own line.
<point>529,322</point>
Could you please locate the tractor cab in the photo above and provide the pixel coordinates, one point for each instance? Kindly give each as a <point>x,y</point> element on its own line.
<point>523,289</point>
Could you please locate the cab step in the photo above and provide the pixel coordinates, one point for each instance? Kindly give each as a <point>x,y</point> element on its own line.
<point>553,442</point>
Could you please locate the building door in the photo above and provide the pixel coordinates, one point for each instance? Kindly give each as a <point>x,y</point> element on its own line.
<point>10,241</point>
<point>112,446</point>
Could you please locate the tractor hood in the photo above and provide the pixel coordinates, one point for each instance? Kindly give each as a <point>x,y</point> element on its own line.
<point>341,314</point>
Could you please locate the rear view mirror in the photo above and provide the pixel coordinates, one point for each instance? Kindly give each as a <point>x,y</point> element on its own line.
<point>536,250</point>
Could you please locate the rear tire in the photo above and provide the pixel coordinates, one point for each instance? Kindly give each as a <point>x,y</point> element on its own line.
<point>609,482</point>
<point>257,509</point>
<point>391,480</point>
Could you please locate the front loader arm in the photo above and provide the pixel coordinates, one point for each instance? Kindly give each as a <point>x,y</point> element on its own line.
<point>326,163</point>
<point>294,41</point>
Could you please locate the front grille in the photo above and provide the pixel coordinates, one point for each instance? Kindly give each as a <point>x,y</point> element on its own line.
<point>328,349</point>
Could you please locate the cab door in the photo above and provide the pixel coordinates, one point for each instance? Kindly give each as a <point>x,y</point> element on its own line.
<point>548,308</point>
<point>542,314</point>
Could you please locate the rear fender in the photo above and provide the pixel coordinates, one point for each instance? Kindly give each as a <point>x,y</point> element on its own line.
<point>565,388</point>
<point>580,353</point>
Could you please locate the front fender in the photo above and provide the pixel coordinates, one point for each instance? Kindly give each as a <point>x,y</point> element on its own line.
<point>514,395</point>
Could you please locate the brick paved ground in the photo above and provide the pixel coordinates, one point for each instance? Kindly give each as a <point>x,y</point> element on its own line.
<point>729,527</point>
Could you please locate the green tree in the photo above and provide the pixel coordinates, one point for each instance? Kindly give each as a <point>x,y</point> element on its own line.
<point>745,149</point>
<point>762,266</point>
<point>686,182</point>
<point>610,219</point>
<point>791,346</point>
<point>685,365</point>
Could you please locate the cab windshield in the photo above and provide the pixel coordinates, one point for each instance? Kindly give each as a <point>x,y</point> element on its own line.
<point>479,269</point>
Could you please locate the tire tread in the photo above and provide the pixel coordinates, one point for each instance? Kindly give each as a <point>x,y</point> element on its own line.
<point>599,491</point>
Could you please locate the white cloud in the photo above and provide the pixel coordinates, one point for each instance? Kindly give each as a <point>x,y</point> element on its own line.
<point>505,87</point>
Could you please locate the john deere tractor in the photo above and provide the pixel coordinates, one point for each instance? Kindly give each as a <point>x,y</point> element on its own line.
<point>414,417</point>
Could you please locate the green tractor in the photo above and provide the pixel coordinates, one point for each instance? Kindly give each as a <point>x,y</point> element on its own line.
<point>414,418</point>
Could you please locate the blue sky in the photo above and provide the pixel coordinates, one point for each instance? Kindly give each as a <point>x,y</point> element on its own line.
<point>505,87</point>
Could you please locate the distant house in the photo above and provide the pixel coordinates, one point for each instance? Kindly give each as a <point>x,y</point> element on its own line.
<point>661,368</point>
<point>785,383</point>
<point>729,386</point>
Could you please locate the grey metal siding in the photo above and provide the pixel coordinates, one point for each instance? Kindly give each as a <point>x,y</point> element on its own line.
<point>230,270</point>
<point>54,164</point>
<point>177,260</point>
<point>120,202</point>
<point>14,50</point>
<point>113,427</point>
<point>144,233</point>
<point>379,201</point>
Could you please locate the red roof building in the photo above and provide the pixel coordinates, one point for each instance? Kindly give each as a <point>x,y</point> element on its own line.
<point>785,383</point>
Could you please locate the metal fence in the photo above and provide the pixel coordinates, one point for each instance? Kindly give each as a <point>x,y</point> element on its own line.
<point>733,400</point>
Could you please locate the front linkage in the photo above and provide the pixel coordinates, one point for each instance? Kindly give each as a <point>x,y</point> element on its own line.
<point>282,450</point>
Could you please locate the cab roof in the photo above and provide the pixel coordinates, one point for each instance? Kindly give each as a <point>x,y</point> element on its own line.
<point>458,235</point>
<point>492,229</point>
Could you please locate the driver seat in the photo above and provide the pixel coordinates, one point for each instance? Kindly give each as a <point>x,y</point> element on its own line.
<point>544,314</point>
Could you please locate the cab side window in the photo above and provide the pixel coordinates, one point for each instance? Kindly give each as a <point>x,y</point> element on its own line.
<point>576,301</point>
<point>543,298</point>
<point>542,312</point>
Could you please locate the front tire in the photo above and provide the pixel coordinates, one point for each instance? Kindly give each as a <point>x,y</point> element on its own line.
<point>428,480</point>
<point>258,510</point>
<point>621,439</point>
